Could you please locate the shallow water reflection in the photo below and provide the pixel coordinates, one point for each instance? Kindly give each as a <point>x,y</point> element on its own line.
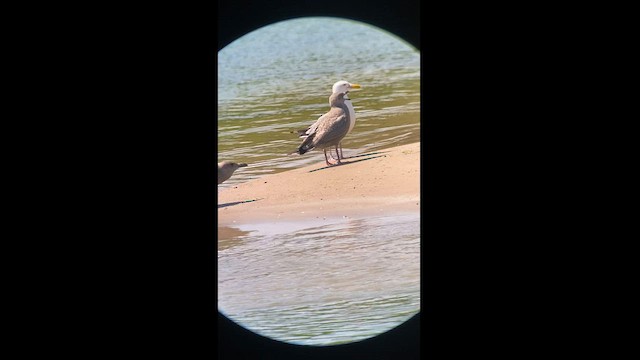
<point>228,237</point>
<point>322,282</point>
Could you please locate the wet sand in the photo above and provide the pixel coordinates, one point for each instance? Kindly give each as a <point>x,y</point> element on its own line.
<point>385,181</point>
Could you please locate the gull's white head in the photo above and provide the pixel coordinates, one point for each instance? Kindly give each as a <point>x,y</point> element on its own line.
<point>344,87</point>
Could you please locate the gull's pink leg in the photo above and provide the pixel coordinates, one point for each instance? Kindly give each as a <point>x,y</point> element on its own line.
<point>339,162</point>
<point>325,157</point>
<point>331,153</point>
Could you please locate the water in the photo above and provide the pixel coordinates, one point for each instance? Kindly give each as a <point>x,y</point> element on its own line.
<point>278,79</point>
<point>331,280</point>
<point>321,282</point>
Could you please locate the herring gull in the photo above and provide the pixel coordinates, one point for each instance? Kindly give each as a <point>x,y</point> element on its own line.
<point>339,87</point>
<point>330,128</point>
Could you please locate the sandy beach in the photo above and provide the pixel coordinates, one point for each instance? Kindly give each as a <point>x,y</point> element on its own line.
<point>384,181</point>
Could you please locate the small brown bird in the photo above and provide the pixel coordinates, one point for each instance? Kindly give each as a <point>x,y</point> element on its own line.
<point>226,169</point>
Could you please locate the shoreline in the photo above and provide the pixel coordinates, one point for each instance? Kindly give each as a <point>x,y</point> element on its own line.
<point>385,181</point>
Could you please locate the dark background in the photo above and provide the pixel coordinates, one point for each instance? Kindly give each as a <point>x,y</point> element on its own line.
<point>120,101</point>
<point>237,18</point>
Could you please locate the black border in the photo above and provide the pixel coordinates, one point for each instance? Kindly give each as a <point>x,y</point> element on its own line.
<point>402,19</point>
<point>123,189</point>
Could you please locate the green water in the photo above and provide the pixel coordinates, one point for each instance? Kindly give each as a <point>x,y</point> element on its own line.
<point>278,79</point>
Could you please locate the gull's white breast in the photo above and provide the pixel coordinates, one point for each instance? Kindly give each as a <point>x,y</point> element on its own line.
<point>352,115</point>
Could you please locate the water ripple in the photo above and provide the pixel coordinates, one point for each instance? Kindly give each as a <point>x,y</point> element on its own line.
<point>322,282</point>
<point>277,80</point>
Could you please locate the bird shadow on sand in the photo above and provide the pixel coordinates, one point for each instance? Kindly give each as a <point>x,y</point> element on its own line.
<point>350,162</point>
<point>220,206</point>
<point>367,154</point>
